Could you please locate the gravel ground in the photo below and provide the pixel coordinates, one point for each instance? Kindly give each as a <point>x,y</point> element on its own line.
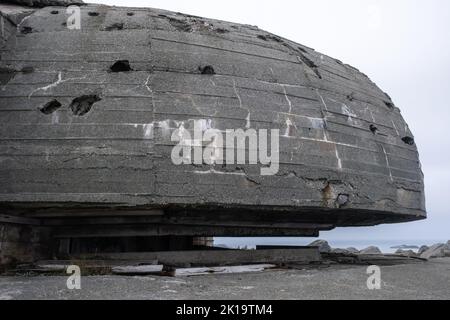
<point>413,281</point>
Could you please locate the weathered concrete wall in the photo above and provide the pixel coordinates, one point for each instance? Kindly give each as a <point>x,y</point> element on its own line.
<point>76,135</point>
<point>21,243</point>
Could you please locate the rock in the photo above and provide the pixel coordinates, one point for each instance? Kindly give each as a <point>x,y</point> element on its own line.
<point>352,250</point>
<point>340,251</point>
<point>405,246</point>
<point>435,251</point>
<point>406,253</point>
<point>371,250</point>
<point>323,246</point>
<point>423,249</point>
<point>447,249</point>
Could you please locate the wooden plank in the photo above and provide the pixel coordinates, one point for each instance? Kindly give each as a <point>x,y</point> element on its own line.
<point>269,247</point>
<point>154,218</point>
<point>219,258</point>
<point>73,213</point>
<point>189,272</point>
<point>19,220</point>
<point>144,230</point>
<point>138,270</point>
<point>98,263</point>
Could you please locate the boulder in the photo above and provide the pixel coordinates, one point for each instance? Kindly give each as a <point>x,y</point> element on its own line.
<point>340,251</point>
<point>423,249</point>
<point>323,246</point>
<point>371,250</point>
<point>435,251</point>
<point>352,250</point>
<point>406,253</point>
<point>447,249</point>
<point>405,247</point>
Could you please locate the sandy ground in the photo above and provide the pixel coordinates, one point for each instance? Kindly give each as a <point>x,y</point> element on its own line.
<point>414,281</point>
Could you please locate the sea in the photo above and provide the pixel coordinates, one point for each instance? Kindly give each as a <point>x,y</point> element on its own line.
<point>386,246</point>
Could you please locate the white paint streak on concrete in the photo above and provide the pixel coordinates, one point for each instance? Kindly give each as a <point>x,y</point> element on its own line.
<point>248,122</point>
<point>338,158</point>
<point>54,85</point>
<point>317,123</point>
<point>387,164</point>
<point>237,93</point>
<point>287,99</point>
<point>55,118</point>
<point>288,128</point>
<point>212,171</point>
<point>148,130</point>
<point>321,98</point>
<point>348,112</point>
<point>395,127</point>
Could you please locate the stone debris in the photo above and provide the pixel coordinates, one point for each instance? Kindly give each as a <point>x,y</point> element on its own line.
<point>406,253</point>
<point>436,251</point>
<point>371,250</point>
<point>323,246</point>
<point>422,249</point>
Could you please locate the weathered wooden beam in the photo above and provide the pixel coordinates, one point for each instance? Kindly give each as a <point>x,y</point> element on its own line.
<point>138,270</point>
<point>97,263</point>
<point>74,221</point>
<point>189,272</point>
<point>102,231</point>
<point>77,213</point>
<point>219,258</point>
<point>19,220</point>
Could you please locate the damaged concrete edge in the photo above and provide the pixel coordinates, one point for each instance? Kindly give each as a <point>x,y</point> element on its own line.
<point>45,3</point>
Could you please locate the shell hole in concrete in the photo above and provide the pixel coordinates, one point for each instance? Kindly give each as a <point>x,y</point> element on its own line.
<point>408,140</point>
<point>222,30</point>
<point>54,12</point>
<point>26,30</point>
<point>27,69</point>
<point>373,129</point>
<point>115,26</point>
<point>82,105</point>
<point>50,107</point>
<point>209,70</point>
<point>390,105</point>
<point>121,66</point>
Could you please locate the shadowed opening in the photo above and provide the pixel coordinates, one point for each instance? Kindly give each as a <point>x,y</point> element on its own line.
<point>207,70</point>
<point>50,107</point>
<point>82,105</point>
<point>121,66</point>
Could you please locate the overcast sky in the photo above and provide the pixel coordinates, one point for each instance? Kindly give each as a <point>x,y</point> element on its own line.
<point>402,45</point>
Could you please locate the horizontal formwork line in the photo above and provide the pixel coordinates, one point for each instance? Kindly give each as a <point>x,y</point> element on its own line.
<point>261,80</point>
<point>171,145</point>
<point>282,163</point>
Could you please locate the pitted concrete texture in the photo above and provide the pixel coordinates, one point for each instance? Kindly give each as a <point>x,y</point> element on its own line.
<point>402,282</point>
<point>87,117</point>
